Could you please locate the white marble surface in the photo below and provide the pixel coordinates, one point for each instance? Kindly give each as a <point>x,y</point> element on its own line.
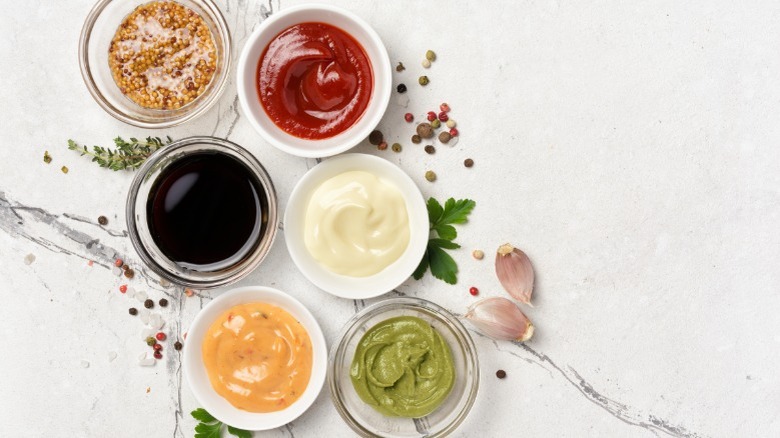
<point>629,147</point>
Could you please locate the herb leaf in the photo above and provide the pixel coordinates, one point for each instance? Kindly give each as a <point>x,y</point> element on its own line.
<point>442,265</point>
<point>203,430</point>
<point>127,155</point>
<point>240,433</point>
<point>202,415</point>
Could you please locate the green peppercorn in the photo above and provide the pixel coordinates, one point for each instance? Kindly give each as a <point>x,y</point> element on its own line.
<point>430,56</point>
<point>46,157</point>
<point>430,176</point>
<point>396,147</point>
<point>416,139</point>
<point>150,341</point>
<point>423,80</point>
<point>435,124</point>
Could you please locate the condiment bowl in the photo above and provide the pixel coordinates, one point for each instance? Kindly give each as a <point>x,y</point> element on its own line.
<point>247,80</point>
<point>197,377</point>
<point>139,228</point>
<point>346,286</point>
<point>364,419</point>
<point>96,35</point>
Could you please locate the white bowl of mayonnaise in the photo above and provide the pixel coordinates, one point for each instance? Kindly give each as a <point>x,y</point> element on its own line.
<point>356,226</point>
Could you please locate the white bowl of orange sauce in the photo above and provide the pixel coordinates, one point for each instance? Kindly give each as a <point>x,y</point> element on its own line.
<point>255,358</point>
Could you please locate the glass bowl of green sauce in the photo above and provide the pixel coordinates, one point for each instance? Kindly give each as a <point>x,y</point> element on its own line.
<point>403,367</point>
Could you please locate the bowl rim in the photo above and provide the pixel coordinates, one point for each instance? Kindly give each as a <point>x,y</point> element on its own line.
<point>97,95</point>
<point>380,101</point>
<point>339,347</point>
<point>191,357</point>
<point>341,285</point>
<point>265,244</point>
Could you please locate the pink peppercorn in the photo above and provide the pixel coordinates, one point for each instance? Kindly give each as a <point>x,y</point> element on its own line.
<point>431,116</point>
<point>123,288</point>
<point>444,107</point>
<point>118,263</point>
<point>157,347</point>
<point>473,291</point>
<point>454,132</point>
<point>157,355</point>
<point>443,116</point>
<point>408,117</point>
<point>160,336</point>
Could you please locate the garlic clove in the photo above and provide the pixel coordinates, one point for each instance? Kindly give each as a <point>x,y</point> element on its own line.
<point>500,319</point>
<point>515,273</point>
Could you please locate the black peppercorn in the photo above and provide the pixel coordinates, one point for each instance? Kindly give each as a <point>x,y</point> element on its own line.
<point>430,149</point>
<point>129,273</point>
<point>469,162</point>
<point>148,303</point>
<point>500,374</point>
<point>375,137</point>
<point>163,302</point>
<point>401,88</point>
<point>133,311</point>
<point>102,220</point>
<point>177,345</point>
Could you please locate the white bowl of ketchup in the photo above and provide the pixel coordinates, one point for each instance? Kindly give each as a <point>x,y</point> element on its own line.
<point>314,80</point>
<point>197,374</point>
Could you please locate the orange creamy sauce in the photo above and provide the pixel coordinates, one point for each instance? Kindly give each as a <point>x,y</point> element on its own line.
<point>258,357</point>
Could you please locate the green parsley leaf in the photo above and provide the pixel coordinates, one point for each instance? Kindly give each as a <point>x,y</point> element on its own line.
<point>240,433</point>
<point>203,430</point>
<point>442,265</point>
<point>202,415</point>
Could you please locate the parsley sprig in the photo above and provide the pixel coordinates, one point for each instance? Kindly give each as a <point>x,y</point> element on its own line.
<point>442,220</point>
<point>127,155</point>
<point>210,427</point>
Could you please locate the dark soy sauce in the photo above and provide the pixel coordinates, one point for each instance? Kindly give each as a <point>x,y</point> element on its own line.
<point>207,211</point>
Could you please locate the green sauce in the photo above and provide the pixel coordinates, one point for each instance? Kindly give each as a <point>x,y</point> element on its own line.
<point>403,368</point>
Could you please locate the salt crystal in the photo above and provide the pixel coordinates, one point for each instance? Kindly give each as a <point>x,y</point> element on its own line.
<point>116,271</point>
<point>29,258</point>
<point>155,321</point>
<point>84,364</point>
<point>403,100</point>
<point>145,360</point>
<point>453,141</point>
<point>144,315</point>
<point>141,296</point>
<point>111,356</point>
<point>130,291</point>
<point>164,282</point>
<point>147,333</point>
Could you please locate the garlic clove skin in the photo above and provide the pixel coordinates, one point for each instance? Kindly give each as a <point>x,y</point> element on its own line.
<point>500,319</point>
<point>514,271</point>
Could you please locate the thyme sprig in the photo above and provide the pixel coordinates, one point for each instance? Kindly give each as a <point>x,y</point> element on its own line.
<point>128,155</point>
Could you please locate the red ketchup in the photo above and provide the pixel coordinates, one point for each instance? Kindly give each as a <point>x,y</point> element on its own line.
<point>314,80</point>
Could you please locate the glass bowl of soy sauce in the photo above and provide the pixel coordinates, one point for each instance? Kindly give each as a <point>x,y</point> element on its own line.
<point>202,212</point>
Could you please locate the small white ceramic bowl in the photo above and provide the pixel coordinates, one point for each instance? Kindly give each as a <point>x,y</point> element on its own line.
<point>247,83</point>
<point>341,285</point>
<point>198,379</point>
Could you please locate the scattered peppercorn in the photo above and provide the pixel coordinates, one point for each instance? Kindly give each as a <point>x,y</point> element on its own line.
<point>123,288</point>
<point>133,311</point>
<point>46,157</point>
<point>431,116</point>
<point>102,220</point>
<point>500,374</point>
<point>148,303</point>
<point>163,302</point>
<point>397,147</point>
<point>157,347</point>
<point>426,63</point>
<point>425,130</point>
<point>424,80</point>
<point>129,273</point>
<point>150,341</point>
<point>430,176</point>
<point>435,124</point>
<point>189,292</point>
<point>468,162</point>
<point>64,169</point>
<point>454,132</point>
<point>443,116</point>
<point>430,149</point>
<point>375,137</point>
<point>473,291</point>
<point>478,254</point>
<point>401,88</point>
<point>444,107</point>
<point>125,267</point>
<point>118,263</point>
<point>444,137</point>
<point>451,123</point>
<point>177,345</point>
<point>408,117</point>
<point>157,355</point>
<point>400,67</point>
<point>430,56</point>
<point>382,146</point>
<point>416,139</point>
<point>160,336</point>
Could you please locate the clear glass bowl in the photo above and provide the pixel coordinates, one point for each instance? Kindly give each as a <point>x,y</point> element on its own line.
<point>139,229</point>
<point>96,35</point>
<point>366,421</point>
